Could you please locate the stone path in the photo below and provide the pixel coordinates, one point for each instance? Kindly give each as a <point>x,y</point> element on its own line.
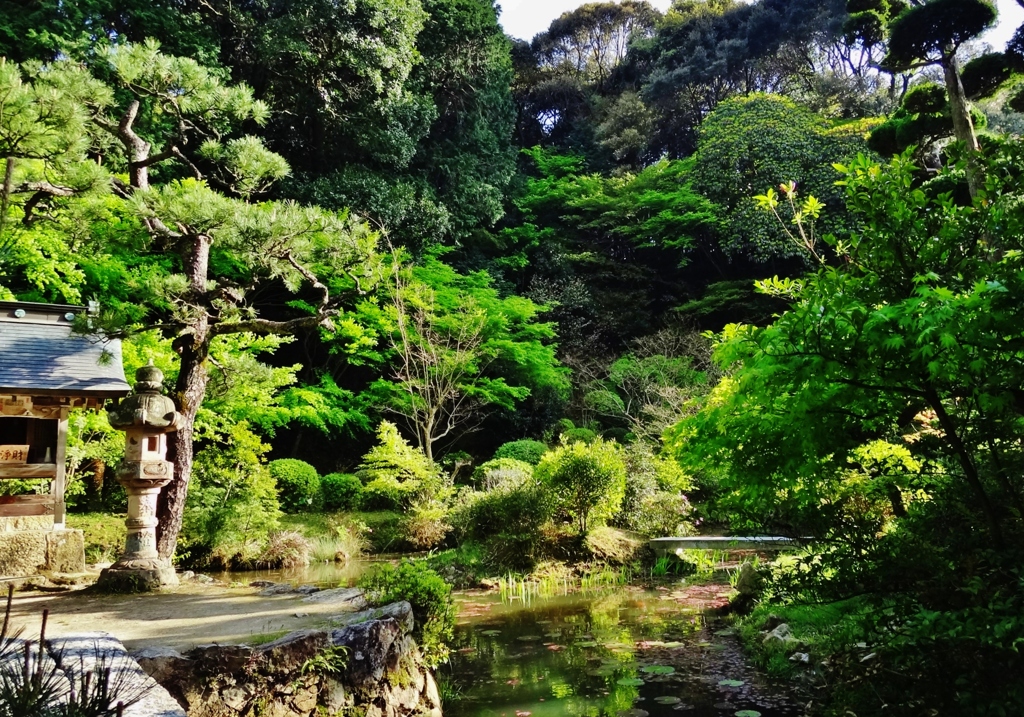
<point>82,654</point>
<point>182,618</point>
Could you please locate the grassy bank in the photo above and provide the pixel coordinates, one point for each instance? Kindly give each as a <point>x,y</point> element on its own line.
<point>104,534</point>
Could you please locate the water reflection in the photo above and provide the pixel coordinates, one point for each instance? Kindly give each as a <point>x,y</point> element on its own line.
<point>324,575</point>
<point>622,653</point>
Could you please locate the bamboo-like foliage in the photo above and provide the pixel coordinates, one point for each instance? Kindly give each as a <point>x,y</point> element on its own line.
<point>36,680</point>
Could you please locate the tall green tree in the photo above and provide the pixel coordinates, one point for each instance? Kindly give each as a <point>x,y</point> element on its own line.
<point>764,141</point>
<point>199,245</point>
<point>880,414</point>
<point>458,350</point>
<point>707,52</point>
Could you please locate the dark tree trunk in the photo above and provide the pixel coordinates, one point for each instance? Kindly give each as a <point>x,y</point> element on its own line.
<point>963,455</point>
<point>94,488</point>
<point>963,126</point>
<point>193,345</point>
<point>190,389</point>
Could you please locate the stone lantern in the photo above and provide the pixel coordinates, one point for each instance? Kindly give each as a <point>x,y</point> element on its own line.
<point>146,417</point>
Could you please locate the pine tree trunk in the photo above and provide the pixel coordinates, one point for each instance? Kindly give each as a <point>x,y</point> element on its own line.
<point>193,345</point>
<point>190,389</point>
<point>963,126</point>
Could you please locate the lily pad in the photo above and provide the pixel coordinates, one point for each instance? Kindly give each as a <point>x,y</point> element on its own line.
<point>586,643</point>
<point>629,681</point>
<point>748,713</point>
<point>658,669</point>
<point>667,700</point>
<point>490,633</point>
<point>635,712</point>
<point>731,683</point>
<point>528,638</point>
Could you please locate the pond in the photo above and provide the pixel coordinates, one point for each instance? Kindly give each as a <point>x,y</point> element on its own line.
<point>620,652</point>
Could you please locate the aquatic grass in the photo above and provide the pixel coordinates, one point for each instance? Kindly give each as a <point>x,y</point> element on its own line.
<point>705,562</point>
<point>525,589</point>
<point>341,546</point>
<point>448,690</point>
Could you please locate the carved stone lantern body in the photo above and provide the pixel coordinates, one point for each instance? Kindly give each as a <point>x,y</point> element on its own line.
<point>146,417</point>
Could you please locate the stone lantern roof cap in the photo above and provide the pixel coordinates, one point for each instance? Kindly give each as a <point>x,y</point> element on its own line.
<point>146,407</point>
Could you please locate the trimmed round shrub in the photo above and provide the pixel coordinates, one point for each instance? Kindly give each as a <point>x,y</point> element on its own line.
<point>526,450</point>
<point>341,491</point>
<point>501,471</point>
<point>579,435</point>
<point>388,494</point>
<point>663,514</point>
<point>298,484</point>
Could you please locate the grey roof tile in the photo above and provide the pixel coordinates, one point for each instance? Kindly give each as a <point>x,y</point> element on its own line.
<point>48,357</point>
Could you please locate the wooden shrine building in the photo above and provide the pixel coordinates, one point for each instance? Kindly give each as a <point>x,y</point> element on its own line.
<point>45,371</point>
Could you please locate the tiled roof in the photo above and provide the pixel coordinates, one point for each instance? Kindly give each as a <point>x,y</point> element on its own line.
<point>48,357</point>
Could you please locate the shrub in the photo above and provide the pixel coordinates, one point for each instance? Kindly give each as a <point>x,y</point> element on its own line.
<point>388,494</point>
<point>232,502</point>
<point>426,524</point>
<point>502,471</point>
<point>579,435</point>
<point>653,484</point>
<point>664,514</point>
<point>519,509</point>
<point>285,549</point>
<point>509,520</point>
<point>526,450</point>
<point>587,481</point>
<point>298,484</point>
<point>341,491</point>
<point>395,474</point>
<point>430,597</point>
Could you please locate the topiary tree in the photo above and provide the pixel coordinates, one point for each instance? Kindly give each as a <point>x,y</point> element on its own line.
<point>341,491</point>
<point>298,484</point>
<point>525,450</point>
<point>586,481</point>
<point>923,118</point>
<point>929,32</point>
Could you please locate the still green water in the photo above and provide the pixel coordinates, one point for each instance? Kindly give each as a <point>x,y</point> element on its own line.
<point>622,652</point>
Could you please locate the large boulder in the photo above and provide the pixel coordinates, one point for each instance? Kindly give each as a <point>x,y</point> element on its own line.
<point>368,663</point>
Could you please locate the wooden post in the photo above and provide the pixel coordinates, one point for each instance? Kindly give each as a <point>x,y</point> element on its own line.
<point>58,482</point>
